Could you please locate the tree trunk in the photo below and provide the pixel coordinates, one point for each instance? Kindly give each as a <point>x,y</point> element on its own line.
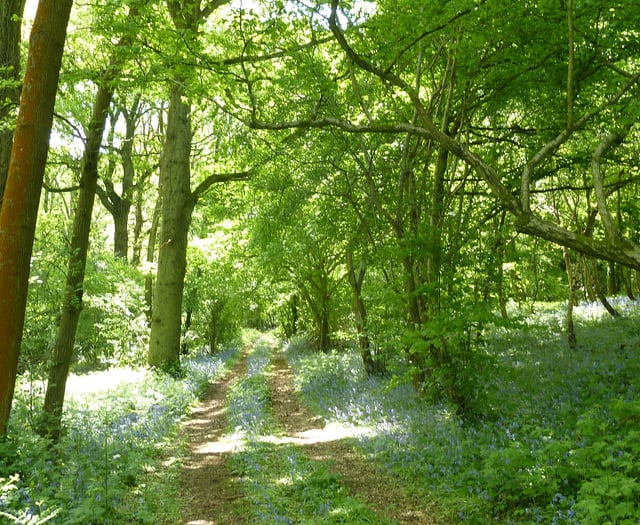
<point>587,280</point>
<point>613,280</point>
<point>11,12</point>
<point>72,302</point>
<point>371,365</point>
<point>137,229</point>
<point>571,332</point>
<point>324,339</point>
<point>294,314</point>
<point>177,206</point>
<point>121,217</point>
<point>151,257</point>
<point>626,281</point>
<point>24,183</point>
<point>177,203</point>
<point>600,293</point>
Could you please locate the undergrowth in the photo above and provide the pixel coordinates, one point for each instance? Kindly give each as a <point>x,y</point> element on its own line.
<point>558,442</point>
<point>117,460</point>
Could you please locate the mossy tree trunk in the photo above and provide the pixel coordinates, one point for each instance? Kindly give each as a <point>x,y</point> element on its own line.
<point>72,302</point>
<point>177,206</point>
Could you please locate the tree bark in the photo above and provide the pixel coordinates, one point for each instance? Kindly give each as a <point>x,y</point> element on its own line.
<point>600,290</point>
<point>24,183</point>
<point>569,324</point>
<point>151,256</point>
<point>11,12</point>
<point>177,206</point>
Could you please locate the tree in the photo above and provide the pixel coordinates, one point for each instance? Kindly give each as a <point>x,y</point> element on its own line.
<point>119,204</point>
<point>178,201</point>
<point>24,182</point>
<point>72,301</point>
<point>11,12</point>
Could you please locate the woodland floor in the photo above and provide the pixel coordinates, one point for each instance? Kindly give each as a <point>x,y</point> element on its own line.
<point>211,493</point>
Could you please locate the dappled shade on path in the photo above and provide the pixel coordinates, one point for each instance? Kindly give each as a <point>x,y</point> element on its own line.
<point>379,490</point>
<point>211,494</point>
<point>209,489</point>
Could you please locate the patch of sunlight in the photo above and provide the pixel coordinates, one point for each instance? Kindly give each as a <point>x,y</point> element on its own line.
<point>226,445</point>
<point>201,522</point>
<point>331,432</point>
<point>78,386</point>
<point>285,480</point>
<point>236,442</point>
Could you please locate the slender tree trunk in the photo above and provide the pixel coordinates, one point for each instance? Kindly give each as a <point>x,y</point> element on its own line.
<point>151,257</point>
<point>294,314</point>
<point>600,293</point>
<point>177,205</point>
<point>371,366</point>
<point>11,12</point>
<point>626,281</point>
<point>324,339</point>
<point>613,280</point>
<point>137,228</point>
<point>24,183</point>
<point>72,303</point>
<point>588,280</point>
<point>571,332</point>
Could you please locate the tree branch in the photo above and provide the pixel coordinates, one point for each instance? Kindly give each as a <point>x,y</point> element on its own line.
<point>216,178</point>
<point>612,139</point>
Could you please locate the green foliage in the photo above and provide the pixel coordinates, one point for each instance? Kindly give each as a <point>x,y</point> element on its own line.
<point>558,439</point>
<point>113,326</point>
<point>452,349</point>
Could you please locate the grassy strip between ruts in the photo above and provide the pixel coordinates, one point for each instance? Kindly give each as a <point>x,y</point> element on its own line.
<point>118,461</point>
<point>281,483</point>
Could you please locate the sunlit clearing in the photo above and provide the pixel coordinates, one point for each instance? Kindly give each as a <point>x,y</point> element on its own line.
<point>78,386</point>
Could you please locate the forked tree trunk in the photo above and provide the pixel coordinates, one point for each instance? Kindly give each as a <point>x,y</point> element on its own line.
<point>24,184</point>
<point>11,12</point>
<point>177,202</point>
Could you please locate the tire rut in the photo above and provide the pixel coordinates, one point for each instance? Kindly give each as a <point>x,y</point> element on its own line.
<point>382,492</point>
<point>210,493</point>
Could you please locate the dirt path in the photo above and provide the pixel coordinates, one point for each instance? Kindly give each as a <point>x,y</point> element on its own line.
<point>211,494</point>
